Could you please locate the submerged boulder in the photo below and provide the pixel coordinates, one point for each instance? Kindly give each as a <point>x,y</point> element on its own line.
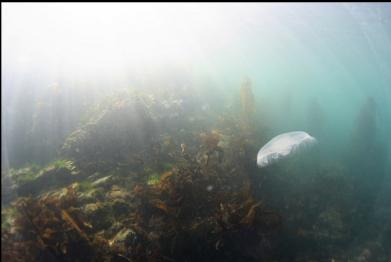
<point>131,129</point>
<point>113,130</point>
<point>31,180</point>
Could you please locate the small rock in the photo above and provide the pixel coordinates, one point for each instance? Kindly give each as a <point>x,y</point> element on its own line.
<point>99,214</point>
<point>91,208</point>
<point>93,195</point>
<point>101,181</point>
<point>117,193</point>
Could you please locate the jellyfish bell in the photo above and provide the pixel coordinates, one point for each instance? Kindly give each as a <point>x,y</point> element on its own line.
<point>283,145</point>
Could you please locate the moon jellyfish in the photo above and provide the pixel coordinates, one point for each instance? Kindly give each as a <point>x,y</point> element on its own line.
<point>283,145</point>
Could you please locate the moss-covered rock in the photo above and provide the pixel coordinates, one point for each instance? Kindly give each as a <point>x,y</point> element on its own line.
<point>101,181</point>
<point>114,130</point>
<point>100,214</point>
<point>117,192</point>
<point>92,195</point>
<point>7,217</point>
<point>31,180</point>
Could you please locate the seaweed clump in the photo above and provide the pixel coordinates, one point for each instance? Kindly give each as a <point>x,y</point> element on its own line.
<point>201,211</point>
<point>50,228</point>
<point>180,195</point>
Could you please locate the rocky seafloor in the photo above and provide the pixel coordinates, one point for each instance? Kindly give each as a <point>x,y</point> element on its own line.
<point>145,179</point>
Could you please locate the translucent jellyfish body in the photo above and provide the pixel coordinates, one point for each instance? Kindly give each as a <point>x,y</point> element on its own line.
<point>283,145</point>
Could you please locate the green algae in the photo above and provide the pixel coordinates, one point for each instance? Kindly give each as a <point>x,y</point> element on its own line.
<point>153,179</point>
